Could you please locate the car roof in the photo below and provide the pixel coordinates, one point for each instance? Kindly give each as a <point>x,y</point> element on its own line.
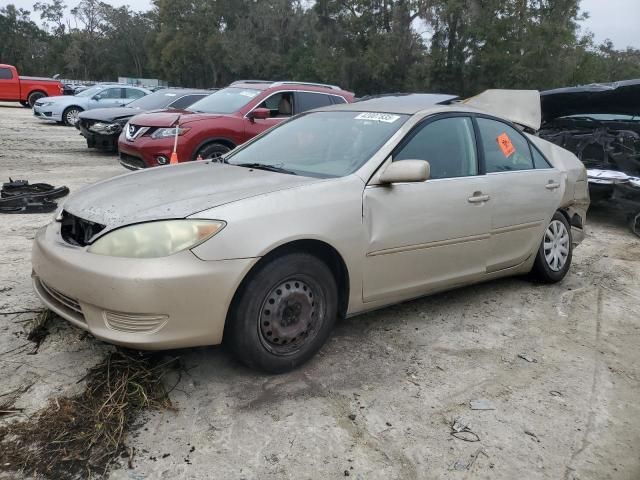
<point>403,103</point>
<point>289,84</point>
<point>183,91</point>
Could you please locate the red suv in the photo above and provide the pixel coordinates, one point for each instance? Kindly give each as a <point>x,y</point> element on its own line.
<point>218,123</point>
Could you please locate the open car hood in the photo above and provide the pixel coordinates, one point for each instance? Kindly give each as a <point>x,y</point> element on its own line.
<point>519,106</point>
<point>622,98</point>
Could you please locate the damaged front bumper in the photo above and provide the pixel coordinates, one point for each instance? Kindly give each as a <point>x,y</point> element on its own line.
<point>149,304</point>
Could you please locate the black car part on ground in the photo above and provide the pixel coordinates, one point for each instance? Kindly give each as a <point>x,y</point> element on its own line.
<point>18,196</point>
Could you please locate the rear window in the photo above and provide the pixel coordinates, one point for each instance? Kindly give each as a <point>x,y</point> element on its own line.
<point>187,100</point>
<point>5,74</point>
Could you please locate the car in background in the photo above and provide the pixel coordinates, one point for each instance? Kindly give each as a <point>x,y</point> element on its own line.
<point>102,126</point>
<point>218,123</point>
<point>26,90</point>
<point>66,108</point>
<point>336,212</point>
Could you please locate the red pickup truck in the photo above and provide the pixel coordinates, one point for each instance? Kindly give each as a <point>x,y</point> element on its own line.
<point>26,90</point>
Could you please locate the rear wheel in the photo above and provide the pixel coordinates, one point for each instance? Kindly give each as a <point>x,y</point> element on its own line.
<point>34,97</point>
<point>283,314</point>
<point>554,255</point>
<point>70,116</point>
<point>213,151</point>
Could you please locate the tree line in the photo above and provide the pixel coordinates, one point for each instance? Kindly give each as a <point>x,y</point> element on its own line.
<point>368,46</point>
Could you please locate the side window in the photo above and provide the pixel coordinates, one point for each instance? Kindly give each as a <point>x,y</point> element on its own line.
<point>5,74</point>
<point>505,149</point>
<point>538,159</point>
<point>449,145</point>
<point>308,101</point>
<point>110,93</point>
<point>337,100</point>
<point>280,104</point>
<point>133,93</point>
<point>184,102</point>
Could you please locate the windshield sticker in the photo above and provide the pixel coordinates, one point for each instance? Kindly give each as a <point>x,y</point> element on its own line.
<point>248,93</point>
<point>378,117</point>
<point>504,142</point>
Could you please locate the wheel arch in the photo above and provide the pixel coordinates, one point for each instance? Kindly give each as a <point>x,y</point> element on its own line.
<point>36,90</point>
<point>223,140</point>
<point>323,251</point>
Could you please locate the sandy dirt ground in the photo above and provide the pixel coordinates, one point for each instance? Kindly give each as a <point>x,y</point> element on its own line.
<point>379,400</point>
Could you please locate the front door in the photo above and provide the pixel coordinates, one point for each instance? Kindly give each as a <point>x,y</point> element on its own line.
<point>428,235</point>
<point>280,105</point>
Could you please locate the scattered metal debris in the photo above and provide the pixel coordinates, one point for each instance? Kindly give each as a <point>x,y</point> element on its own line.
<point>481,404</point>
<point>461,465</point>
<point>527,358</point>
<point>555,393</point>
<point>532,435</point>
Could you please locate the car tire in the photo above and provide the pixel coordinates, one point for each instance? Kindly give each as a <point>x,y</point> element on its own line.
<point>283,313</point>
<point>70,115</point>
<point>212,151</point>
<point>34,97</point>
<point>555,252</point>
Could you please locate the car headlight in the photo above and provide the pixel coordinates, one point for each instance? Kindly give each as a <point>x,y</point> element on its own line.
<point>108,128</point>
<point>169,132</point>
<point>45,104</point>
<point>156,239</point>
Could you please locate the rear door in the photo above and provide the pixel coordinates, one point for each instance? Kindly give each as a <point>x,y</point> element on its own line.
<point>131,94</point>
<point>524,189</point>
<point>9,85</point>
<point>309,100</point>
<point>433,234</point>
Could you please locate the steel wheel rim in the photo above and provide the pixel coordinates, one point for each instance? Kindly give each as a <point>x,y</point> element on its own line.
<point>291,315</point>
<point>72,116</point>
<point>556,245</point>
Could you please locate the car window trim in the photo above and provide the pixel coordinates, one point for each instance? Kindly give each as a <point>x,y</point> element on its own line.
<point>293,106</point>
<point>434,118</point>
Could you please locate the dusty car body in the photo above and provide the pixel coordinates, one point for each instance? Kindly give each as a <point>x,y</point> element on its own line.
<point>333,213</point>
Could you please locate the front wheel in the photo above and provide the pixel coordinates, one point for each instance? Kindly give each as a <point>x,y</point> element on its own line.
<point>213,151</point>
<point>70,116</point>
<point>554,255</point>
<point>283,313</point>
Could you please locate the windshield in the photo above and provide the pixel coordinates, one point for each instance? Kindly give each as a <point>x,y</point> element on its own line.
<point>321,144</point>
<point>227,100</point>
<point>156,100</point>
<point>90,91</point>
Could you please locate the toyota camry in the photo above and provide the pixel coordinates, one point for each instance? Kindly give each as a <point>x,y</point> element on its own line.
<point>332,213</point>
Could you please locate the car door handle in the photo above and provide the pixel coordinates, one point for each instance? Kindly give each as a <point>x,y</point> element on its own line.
<point>552,185</point>
<point>478,197</point>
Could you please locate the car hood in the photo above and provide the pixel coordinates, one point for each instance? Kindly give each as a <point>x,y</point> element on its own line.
<point>168,118</point>
<point>109,114</point>
<point>173,192</point>
<point>60,100</point>
<point>611,98</point>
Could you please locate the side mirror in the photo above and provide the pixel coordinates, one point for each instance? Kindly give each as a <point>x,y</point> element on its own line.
<point>404,171</point>
<point>260,114</point>
<point>97,96</point>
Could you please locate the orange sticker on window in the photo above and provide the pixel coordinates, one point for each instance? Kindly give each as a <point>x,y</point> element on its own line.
<point>505,145</point>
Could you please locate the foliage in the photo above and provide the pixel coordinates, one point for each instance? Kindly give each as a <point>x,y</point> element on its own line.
<point>369,46</point>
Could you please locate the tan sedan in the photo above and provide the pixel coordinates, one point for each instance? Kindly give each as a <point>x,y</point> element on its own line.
<point>333,213</point>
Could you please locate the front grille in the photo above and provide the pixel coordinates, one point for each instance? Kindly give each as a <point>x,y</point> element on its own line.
<point>131,161</point>
<point>62,299</point>
<point>134,323</point>
<point>78,231</point>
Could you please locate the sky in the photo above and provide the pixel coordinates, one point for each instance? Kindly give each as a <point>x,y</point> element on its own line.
<point>617,20</point>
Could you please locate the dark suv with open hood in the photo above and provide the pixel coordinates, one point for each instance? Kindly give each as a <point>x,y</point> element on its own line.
<point>101,127</point>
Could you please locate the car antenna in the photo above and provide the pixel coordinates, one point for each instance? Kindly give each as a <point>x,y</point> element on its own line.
<point>174,154</point>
